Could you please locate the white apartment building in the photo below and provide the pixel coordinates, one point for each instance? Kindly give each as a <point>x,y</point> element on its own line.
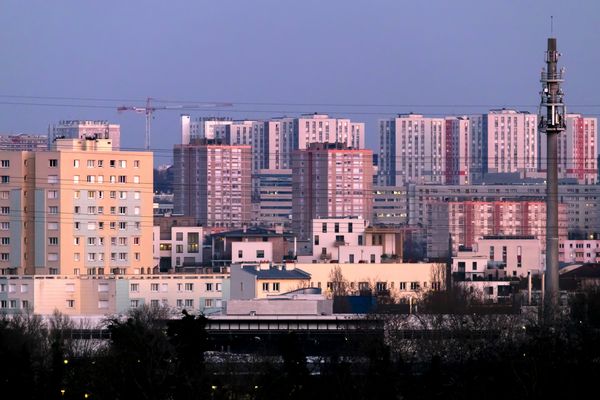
<point>412,150</point>
<point>342,239</point>
<point>500,257</point>
<point>579,251</point>
<point>182,248</point>
<point>203,128</point>
<point>82,129</point>
<point>509,141</point>
<point>577,150</point>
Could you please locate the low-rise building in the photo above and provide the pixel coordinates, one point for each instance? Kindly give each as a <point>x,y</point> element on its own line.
<point>579,251</point>
<point>499,257</point>
<point>108,295</point>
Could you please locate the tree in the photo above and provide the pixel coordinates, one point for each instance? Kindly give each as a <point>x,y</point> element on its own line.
<point>339,284</point>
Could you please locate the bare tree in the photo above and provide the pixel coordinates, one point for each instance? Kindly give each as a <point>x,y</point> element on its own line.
<point>339,284</point>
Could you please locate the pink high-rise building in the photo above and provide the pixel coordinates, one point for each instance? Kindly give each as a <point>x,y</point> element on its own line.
<point>329,181</point>
<point>470,220</point>
<point>213,183</point>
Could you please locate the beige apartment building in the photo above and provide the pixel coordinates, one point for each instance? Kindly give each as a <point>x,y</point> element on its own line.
<point>81,209</point>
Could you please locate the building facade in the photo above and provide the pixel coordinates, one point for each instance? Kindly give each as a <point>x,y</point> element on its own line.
<point>81,208</point>
<point>213,183</point>
<point>330,181</point>
<point>82,129</point>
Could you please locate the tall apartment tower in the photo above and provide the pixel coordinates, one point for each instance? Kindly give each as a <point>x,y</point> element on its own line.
<point>203,128</point>
<point>79,208</point>
<point>412,150</point>
<point>82,129</point>
<point>330,180</point>
<point>577,150</point>
<point>462,153</point>
<point>284,135</point>
<point>509,141</point>
<point>213,183</point>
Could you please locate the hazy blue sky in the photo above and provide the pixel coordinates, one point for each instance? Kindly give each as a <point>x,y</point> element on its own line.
<point>341,52</point>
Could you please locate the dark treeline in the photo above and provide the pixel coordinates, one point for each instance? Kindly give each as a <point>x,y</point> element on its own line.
<point>146,358</point>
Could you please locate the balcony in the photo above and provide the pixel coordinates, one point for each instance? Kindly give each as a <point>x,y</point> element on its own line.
<point>325,256</point>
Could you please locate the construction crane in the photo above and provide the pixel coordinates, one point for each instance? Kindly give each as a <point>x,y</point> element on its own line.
<point>149,110</point>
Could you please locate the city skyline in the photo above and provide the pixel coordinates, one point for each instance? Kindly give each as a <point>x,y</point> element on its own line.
<point>472,66</point>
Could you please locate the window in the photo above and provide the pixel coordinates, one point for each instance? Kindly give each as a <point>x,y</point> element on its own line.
<point>4,194</point>
<point>24,288</point>
<point>102,287</point>
<point>5,179</point>
<point>349,227</point>
<point>134,287</point>
<point>102,304</point>
<point>324,227</point>
<point>70,287</point>
<point>414,286</point>
<point>5,164</point>
<point>209,287</point>
<point>372,258</point>
<point>189,303</point>
<point>112,163</point>
<point>70,303</point>
<point>53,241</point>
<point>4,226</point>
<point>136,179</point>
<point>316,240</point>
<point>76,256</point>
<point>5,241</point>
<point>179,248</point>
<point>136,210</point>
<point>75,163</point>
<point>122,164</point>
<point>122,179</point>
<point>164,287</point>
<point>122,195</point>
<point>91,257</point>
<point>52,256</point>
<point>154,303</point>
<point>136,163</point>
<point>218,287</point>
<point>75,178</point>
<point>179,236</point>
<point>134,303</point>
<point>136,240</point>
<point>276,286</point>
<point>4,210</point>
<point>260,254</point>
<point>53,194</point>
<point>76,194</point>
<point>179,302</point>
<point>122,225</point>
<point>53,163</point>
<point>53,210</point>
<point>154,287</point>
<point>76,210</point>
<point>122,210</point>
<point>265,286</point>
<point>100,163</point>
<point>208,302</point>
<point>240,254</point>
<point>122,256</point>
<point>112,179</point>
<point>91,226</point>
<point>90,179</point>
<point>136,195</point>
<point>402,285</point>
<point>336,227</point>
<point>189,287</point>
<point>90,163</point>
<point>91,194</point>
<point>113,194</point>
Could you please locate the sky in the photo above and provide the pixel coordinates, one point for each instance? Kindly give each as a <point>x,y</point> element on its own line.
<point>361,59</point>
